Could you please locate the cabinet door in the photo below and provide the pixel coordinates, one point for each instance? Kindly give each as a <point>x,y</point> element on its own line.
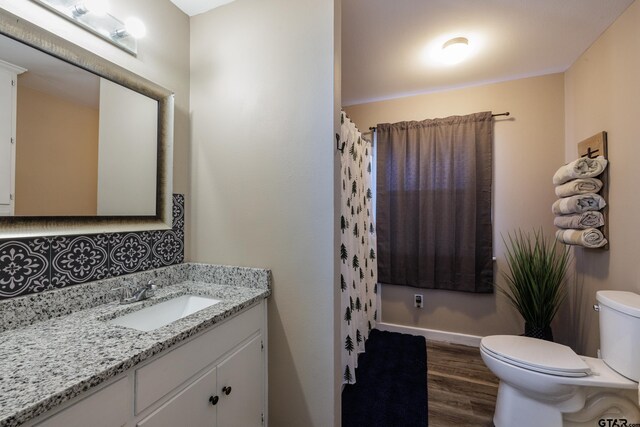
<point>6,132</point>
<point>109,407</point>
<point>190,407</point>
<point>243,372</point>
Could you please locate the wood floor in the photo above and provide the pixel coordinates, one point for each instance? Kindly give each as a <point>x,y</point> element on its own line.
<point>462,391</point>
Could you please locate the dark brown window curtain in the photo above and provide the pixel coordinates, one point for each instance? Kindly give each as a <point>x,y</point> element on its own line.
<point>434,203</point>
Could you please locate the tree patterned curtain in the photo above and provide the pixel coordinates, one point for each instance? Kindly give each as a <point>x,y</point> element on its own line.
<point>358,268</point>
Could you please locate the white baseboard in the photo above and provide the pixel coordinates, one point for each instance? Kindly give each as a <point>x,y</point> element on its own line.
<point>432,334</point>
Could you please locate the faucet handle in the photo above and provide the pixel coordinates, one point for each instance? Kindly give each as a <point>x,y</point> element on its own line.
<point>151,287</point>
<point>124,291</point>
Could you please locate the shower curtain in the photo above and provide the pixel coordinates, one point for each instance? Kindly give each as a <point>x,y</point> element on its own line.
<point>358,267</point>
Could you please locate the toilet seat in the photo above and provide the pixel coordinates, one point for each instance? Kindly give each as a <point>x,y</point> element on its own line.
<point>535,355</point>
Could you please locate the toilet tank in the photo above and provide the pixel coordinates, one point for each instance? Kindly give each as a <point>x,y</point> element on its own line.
<point>620,331</point>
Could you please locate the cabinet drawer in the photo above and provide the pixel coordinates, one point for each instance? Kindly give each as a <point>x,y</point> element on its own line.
<point>108,407</point>
<point>164,374</point>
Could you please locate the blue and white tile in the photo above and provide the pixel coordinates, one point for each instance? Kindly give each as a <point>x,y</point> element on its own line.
<point>24,266</point>
<point>129,253</point>
<point>78,259</point>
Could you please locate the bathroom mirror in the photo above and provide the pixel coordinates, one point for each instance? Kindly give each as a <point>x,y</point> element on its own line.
<point>108,165</point>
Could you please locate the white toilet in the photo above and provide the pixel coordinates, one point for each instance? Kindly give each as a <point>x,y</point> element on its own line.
<point>548,384</point>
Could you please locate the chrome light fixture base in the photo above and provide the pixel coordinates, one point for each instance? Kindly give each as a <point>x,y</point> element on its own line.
<point>103,25</point>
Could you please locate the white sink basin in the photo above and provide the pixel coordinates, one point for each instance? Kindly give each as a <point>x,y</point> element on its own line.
<point>162,314</point>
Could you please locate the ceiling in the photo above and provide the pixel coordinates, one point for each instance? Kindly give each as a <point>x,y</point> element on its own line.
<point>195,7</point>
<point>383,41</point>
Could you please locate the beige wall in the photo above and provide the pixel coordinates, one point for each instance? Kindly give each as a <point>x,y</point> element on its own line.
<point>337,299</point>
<point>263,161</point>
<point>528,148</point>
<point>56,156</point>
<point>163,57</point>
<point>602,93</point>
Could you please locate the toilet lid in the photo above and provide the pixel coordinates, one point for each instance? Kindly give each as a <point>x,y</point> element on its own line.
<point>623,301</point>
<point>536,355</point>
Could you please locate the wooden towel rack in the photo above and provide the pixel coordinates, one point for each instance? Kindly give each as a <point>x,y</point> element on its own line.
<point>593,147</point>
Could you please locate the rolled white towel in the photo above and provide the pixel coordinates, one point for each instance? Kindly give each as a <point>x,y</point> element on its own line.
<point>579,186</point>
<point>581,221</point>
<point>589,238</point>
<point>583,167</point>
<point>578,204</point>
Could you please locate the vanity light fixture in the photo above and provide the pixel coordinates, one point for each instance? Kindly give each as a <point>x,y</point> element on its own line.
<point>455,50</point>
<point>135,27</point>
<point>132,27</point>
<point>96,7</point>
<point>93,16</point>
<point>79,9</point>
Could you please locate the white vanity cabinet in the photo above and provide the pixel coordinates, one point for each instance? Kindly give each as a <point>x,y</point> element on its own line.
<point>217,378</point>
<point>227,395</point>
<point>228,387</point>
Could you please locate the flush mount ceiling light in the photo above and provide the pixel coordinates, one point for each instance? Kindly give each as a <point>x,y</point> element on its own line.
<point>455,50</point>
<point>454,47</point>
<point>93,15</point>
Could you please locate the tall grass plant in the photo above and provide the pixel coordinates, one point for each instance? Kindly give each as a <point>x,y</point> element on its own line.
<point>536,276</point>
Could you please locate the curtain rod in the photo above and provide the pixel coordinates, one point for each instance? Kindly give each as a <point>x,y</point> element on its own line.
<point>373,128</point>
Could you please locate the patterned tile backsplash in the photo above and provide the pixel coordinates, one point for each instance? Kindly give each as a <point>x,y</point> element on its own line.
<point>38,264</point>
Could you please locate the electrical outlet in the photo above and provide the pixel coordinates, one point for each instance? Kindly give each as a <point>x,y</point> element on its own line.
<point>418,300</point>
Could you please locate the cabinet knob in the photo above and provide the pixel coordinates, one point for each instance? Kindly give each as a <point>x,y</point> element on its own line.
<point>213,400</point>
<point>226,390</point>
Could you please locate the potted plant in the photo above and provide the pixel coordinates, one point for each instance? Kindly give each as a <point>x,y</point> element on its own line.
<point>536,279</point>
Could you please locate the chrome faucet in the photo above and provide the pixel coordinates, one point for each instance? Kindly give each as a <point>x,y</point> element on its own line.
<point>130,294</point>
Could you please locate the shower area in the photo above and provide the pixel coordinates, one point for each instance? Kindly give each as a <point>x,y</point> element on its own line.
<point>358,267</point>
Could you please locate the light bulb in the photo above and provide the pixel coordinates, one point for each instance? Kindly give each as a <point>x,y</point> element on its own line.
<point>135,27</point>
<point>455,50</point>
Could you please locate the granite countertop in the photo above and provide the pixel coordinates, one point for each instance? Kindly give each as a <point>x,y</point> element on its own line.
<point>51,361</point>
